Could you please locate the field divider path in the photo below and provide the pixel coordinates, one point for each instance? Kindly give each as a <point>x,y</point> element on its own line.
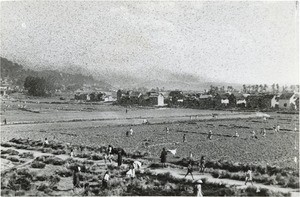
<point>180,173</point>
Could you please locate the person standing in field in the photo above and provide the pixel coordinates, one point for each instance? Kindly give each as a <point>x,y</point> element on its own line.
<point>137,164</point>
<point>71,153</point>
<point>236,134</point>
<point>184,138</point>
<point>119,158</point>
<point>198,189</point>
<point>253,134</point>
<point>275,129</point>
<point>167,130</point>
<point>190,170</point>
<point>86,189</point>
<point>209,135</point>
<point>105,180</point>
<point>202,164</point>
<point>46,142</point>
<point>163,157</point>
<point>264,133</point>
<point>131,131</point>
<point>76,181</point>
<point>191,156</point>
<point>278,128</point>
<point>249,177</point>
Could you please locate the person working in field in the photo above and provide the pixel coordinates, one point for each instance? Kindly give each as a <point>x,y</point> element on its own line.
<point>108,155</point>
<point>236,134</point>
<point>72,153</point>
<point>167,130</point>
<point>190,169</point>
<point>105,180</point>
<point>202,164</point>
<point>137,164</point>
<point>86,191</point>
<point>131,172</point>
<point>184,138</point>
<point>278,128</point>
<point>249,177</point>
<point>198,189</point>
<point>119,158</point>
<point>209,135</point>
<point>131,131</point>
<point>163,157</point>
<point>46,142</point>
<point>191,156</point>
<point>76,181</point>
<point>275,129</point>
<point>264,133</point>
<point>253,134</point>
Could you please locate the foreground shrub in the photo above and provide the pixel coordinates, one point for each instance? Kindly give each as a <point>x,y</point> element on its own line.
<point>10,152</point>
<point>26,155</point>
<point>13,159</point>
<point>38,164</point>
<point>42,187</point>
<point>293,182</point>
<point>54,161</point>
<point>64,173</point>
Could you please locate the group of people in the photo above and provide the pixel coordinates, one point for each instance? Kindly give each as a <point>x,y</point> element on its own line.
<point>134,165</point>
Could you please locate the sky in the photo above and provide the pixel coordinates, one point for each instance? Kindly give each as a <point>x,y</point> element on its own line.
<point>233,42</point>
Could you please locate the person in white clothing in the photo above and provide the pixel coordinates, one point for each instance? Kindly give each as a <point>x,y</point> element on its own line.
<point>248,177</point>
<point>137,164</point>
<point>105,180</point>
<point>131,131</point>
<point>198,189</point>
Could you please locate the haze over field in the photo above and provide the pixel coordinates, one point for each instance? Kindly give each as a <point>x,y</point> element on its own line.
<point>165,44</point>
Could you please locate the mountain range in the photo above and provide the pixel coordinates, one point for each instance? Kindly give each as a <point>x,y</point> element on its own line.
<point>75,76</point>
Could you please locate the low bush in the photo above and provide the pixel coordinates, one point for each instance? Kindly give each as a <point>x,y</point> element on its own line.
<point>10,152</point>
<point>97,157</point>
<point>64,173</point>
<point>13,159</point>
<point>41,177</point>
<point>38,164</point>
<point>26,155</point>
<point>293,182</point>
<point>58,152</point>
<point>54,161</point>
<point>5,144</point>
<point>42,187</point>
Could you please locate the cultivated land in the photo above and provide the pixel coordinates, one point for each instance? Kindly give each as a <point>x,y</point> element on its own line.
<point>99,125</point>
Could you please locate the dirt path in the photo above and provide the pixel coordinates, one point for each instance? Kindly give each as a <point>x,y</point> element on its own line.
<point>179,173</point>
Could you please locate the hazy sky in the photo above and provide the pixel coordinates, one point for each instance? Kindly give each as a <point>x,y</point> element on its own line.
<point>239,42</point>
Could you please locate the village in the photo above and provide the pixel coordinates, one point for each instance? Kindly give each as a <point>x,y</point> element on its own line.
<point>212,99</point>
<point>257,97</point>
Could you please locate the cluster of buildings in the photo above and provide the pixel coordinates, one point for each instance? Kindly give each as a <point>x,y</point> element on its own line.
<point>94,96</point>
<point>286,100</point>
<point>6,86</point>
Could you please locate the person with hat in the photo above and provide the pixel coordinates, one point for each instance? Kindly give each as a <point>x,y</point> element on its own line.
<point>198,188</point>
<point>163,157</point>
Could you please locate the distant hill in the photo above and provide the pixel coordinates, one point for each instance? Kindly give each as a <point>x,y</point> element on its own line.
<point>71,81</point>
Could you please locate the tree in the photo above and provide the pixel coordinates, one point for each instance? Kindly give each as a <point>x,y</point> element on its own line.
<point>277,87</point>
<point>244,88</point>
<point>36,86</point>
<point>265,87</point>
<point>273,88</point>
